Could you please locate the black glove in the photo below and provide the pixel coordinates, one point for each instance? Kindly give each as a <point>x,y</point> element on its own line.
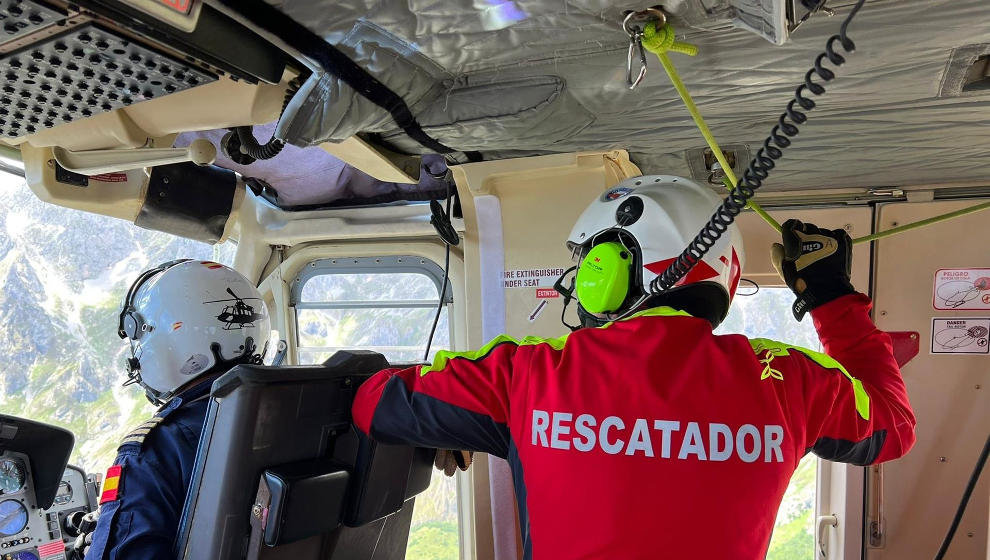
<point>815,263</point>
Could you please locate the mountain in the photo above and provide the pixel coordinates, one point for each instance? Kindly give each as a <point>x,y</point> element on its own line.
<point>63,274</point>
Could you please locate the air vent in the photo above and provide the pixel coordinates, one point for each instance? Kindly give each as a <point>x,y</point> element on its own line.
<point>968,72</point>
<point>82,73</point>
<point>21,17</point>
<point>978,77</point>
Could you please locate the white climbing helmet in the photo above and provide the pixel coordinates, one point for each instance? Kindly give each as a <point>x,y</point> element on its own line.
<point>644,223</point>
<point>186,318</point>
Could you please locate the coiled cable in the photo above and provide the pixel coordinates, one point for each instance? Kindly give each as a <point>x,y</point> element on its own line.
<point>249,145</point>
<point>764,161</point>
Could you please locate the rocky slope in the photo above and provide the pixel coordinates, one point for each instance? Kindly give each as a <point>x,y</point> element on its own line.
<point>63,274</point>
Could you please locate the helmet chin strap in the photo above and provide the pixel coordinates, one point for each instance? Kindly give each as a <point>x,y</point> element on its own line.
<point>158,398</point>
<point>134,376</point>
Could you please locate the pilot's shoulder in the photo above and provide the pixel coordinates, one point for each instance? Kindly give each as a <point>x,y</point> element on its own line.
<point>135,438</point>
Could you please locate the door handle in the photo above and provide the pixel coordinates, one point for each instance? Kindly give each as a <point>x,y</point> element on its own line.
<point>823,523</point>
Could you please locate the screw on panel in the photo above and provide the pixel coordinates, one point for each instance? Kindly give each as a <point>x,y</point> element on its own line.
<point>943,460</point>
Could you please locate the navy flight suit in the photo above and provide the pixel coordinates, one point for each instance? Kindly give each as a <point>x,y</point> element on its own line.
<point>156,462</point>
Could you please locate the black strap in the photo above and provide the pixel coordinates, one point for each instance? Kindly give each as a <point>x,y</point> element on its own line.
<point>272,20</point>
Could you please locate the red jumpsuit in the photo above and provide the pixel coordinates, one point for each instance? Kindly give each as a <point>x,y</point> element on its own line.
<point>652,437</point>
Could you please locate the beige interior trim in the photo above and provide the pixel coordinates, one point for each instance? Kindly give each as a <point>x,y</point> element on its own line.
<point>215,105</point>
<point>118,199</point>
<point>377,162</point>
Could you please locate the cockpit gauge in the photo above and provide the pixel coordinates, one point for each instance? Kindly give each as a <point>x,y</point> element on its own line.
<point>13,518</point>
<point>11,476</point>
<point>64,494</point>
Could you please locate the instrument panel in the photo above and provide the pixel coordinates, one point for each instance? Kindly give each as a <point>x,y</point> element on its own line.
<point>30,533</point>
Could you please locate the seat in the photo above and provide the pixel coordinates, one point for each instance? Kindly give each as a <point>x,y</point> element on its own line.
<point>281,472</point>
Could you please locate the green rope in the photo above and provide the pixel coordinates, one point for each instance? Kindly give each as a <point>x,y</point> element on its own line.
<point>660,42</point>
<point>922,223</point>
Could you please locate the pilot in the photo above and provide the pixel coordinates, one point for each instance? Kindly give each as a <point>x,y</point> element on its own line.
<point>187,322</point>
<point>645,435</point>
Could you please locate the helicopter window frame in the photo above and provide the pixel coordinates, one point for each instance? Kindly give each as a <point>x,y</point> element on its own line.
<point>355,266</point>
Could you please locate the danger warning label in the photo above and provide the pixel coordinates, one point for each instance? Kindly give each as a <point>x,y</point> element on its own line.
<point>962,288</point>
<point>960,335</point>
<point>531,278</point>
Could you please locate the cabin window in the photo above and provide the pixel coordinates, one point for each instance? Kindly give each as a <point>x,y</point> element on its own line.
<point>385,304</point>
<point>767,314</point>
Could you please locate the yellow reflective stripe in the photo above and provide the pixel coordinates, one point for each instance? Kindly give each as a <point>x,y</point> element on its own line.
<point>780,349</point>
<point>662,311</point>
<point>862,397</point>
<point>443,357</point>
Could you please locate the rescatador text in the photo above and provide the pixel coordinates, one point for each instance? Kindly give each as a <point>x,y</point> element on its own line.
<point>674,439</point>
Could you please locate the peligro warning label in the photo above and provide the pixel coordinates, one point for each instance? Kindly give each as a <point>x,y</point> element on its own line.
<point>531,277</point>
<point>962,288</point>
<point>961,335</point>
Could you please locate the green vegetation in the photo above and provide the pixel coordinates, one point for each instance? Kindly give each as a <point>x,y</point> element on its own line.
<point>434,540</point>
<point>433,534</point>
<point>793,535</point>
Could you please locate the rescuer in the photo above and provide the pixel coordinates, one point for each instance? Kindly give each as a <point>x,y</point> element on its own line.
<point>645,435</point>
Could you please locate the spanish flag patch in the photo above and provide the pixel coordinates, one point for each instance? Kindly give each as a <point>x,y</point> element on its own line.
<point>111,483</point>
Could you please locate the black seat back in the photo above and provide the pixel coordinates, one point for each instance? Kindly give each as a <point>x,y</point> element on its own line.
<point>268,425</point>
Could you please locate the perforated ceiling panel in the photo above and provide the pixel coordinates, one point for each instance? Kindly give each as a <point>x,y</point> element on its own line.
<point>81,73</point>
<point>20,17</point>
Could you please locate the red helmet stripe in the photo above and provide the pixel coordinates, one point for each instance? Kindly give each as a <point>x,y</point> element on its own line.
<point>735,274</point>
<point>699,272</point>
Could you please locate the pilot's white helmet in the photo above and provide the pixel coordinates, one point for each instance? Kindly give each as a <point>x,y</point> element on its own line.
<point>187,318</point>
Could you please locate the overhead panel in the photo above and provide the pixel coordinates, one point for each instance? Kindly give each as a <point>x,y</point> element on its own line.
<point>83,72</point>
<point>23,17</point>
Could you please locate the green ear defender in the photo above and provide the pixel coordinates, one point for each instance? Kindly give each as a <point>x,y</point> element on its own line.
<point>602,281</point>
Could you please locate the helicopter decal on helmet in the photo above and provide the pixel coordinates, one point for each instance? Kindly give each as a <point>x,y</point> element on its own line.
<point>237,313</point>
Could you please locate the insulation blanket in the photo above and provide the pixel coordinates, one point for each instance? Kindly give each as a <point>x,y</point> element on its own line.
<point>511,77</point>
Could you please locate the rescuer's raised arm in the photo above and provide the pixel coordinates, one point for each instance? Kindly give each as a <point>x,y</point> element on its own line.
<point>857,407</point>
<point>876,390</point>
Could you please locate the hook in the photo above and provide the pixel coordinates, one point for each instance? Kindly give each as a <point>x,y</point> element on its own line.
<point>633,24</point>
<point>634,42</point>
